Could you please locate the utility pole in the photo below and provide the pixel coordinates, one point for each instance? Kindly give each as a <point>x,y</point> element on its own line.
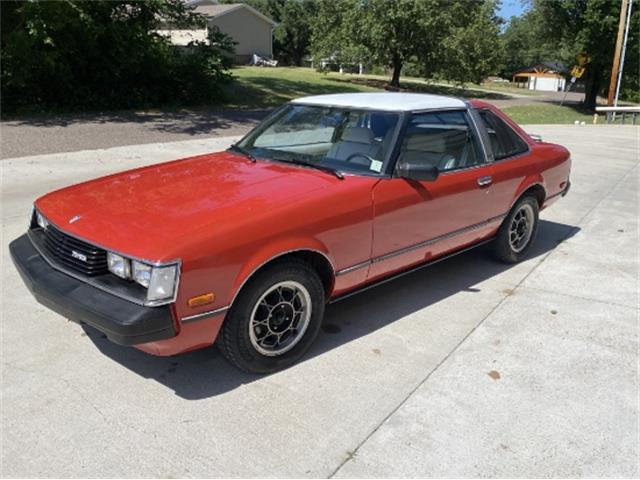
<point>624,49</point>
<point>616,55</point>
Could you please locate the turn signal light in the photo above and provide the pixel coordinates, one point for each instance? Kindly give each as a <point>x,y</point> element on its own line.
<point>203,299</point>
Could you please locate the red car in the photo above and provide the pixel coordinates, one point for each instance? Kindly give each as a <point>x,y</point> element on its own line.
<point>328,196</point>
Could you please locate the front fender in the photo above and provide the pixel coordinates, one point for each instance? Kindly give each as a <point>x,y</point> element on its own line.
<point>272,251</point>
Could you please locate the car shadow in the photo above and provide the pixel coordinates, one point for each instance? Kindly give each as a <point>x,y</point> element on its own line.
<point>204,373</point>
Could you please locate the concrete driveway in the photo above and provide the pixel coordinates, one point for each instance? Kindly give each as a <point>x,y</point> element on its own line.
<point>469,368</point>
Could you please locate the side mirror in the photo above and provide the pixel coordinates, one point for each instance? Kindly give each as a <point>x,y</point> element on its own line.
<point>536,137</point>
<point>417,171</point>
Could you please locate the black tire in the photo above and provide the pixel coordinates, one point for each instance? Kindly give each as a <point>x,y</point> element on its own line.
<point>504,247</point>
<point>237,339</point>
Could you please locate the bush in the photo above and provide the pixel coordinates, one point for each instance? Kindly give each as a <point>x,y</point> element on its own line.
<point>77,55</point>
<point>379,70</point>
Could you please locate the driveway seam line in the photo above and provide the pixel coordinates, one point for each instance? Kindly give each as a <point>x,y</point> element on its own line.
<point>432,371</point>
<point>422,382</point>
<point>464,339</point>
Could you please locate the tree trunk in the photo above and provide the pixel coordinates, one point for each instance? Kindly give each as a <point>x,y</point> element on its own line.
<point>396,63</point>
<point>592,88</point>
<point>298,56</point>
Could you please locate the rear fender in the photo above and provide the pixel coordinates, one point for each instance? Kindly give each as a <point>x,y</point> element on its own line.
<point>532,181</point>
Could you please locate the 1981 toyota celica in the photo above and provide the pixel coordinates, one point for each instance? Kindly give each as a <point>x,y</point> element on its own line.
<point>328,196</point>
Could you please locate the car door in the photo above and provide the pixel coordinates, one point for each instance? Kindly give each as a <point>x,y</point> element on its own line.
<point>415,221</point>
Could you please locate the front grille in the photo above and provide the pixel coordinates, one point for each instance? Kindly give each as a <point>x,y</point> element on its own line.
<point>74,254</point>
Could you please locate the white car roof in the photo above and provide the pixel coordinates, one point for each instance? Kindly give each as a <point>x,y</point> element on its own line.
<point>387,101</point>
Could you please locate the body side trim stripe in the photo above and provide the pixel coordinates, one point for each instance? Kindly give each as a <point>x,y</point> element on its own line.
<point>353,268</point>
<point>417,246</point>
<point>204,315</point>
<point>410,270</point>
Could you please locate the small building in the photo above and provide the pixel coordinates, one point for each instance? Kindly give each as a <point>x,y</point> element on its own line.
<point>252,30</point>
<point>545,76</point>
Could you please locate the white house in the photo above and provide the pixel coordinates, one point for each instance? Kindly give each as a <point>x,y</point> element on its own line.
<point>251,30</point>
<point>544,76</point>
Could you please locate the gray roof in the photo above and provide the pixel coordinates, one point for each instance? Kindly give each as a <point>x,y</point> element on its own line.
<point>222,9</point>
<point>215,10</point>
<point>558,67</point>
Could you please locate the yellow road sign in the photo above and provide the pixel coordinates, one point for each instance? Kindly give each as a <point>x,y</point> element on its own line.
<point>577,71</point>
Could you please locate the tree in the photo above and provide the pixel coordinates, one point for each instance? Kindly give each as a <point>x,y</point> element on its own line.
<point>331,39</point>
<point>457,38</point>
<point>292,35</point>
<point>72,54</point>
<point>471,49</point>
<point>523,43</point>
<point>561,29</point>
<point>395,32</point>
<point>376,31</point>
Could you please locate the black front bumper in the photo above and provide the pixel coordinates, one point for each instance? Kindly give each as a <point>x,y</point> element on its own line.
<point>122,321</point>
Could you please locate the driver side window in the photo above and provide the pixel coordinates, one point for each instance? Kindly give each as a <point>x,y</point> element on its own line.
<point>443,140</point>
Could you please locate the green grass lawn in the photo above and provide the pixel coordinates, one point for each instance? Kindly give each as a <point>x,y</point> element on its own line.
<point>486,90</point>
<point>542,113</point>
<point>260,87</point>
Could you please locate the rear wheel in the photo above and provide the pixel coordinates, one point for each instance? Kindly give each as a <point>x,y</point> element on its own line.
<point>275,318</point>
<point>518,231</point>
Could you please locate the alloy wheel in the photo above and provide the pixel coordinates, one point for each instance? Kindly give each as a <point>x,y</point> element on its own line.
<point>280,318</point>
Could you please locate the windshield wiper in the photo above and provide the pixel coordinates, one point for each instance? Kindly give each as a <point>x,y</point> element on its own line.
<point>237,148</point>
<point>322,168</point>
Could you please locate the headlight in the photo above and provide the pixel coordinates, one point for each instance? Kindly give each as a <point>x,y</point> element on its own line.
<point>118,265</point>
<point>141,273</point>
<point>41,221</point>
<point>160,281</point>
<point>163,282</point>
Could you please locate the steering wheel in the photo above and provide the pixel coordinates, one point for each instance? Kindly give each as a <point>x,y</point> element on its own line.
<point>362,155</point>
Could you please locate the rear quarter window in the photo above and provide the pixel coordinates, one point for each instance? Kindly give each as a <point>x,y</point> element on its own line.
<point>505,142</point>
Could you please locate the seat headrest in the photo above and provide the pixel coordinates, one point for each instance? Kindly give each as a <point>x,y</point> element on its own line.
<point>357,135</point>
<point>378,124</point>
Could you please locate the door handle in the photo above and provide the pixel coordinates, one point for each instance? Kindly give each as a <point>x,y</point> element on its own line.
<point>484,181</point>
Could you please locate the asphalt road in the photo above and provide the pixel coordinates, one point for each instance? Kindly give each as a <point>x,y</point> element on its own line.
<point>69,133</point>
<point>467,369</point>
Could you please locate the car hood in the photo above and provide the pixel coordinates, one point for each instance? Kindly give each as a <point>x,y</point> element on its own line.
<point>147,212</point>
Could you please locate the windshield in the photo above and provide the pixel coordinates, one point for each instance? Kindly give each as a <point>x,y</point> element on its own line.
<point>338,138</point>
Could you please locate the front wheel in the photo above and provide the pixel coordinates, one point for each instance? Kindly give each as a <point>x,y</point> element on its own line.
<point>518,231</point>
<point>275,318</point>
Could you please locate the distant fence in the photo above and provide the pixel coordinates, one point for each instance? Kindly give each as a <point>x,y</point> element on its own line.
<point>620,112</point>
